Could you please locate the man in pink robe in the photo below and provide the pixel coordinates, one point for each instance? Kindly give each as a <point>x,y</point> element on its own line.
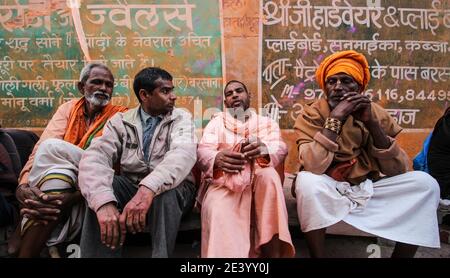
<point>243,209</point>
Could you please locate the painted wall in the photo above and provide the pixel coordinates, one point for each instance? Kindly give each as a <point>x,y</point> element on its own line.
<point>45,44</point>
<point>408,41</point>
<point>405,42</point>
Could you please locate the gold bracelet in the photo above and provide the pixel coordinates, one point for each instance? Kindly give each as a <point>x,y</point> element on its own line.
<point>333,125</point>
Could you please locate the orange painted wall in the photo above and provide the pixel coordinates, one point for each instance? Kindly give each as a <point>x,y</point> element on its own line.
<point>241,42</point>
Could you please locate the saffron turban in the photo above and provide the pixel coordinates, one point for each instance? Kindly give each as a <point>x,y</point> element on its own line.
<point>349,62</point>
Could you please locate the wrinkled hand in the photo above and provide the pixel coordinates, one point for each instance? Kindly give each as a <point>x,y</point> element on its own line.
<point>255,149</point>
<point>108,219</point>
<point>134,214</point>
<point>37,205</point>
<point>363,111</point>
<point>350,103</point>
<point>229,161</point>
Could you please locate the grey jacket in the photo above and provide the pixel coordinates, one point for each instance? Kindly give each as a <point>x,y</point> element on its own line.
<point>172,156</point>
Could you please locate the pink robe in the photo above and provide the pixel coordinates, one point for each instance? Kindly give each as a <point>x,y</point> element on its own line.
<point>226,202</point>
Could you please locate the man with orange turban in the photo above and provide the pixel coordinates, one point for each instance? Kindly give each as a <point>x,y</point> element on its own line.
<point>352,169</point>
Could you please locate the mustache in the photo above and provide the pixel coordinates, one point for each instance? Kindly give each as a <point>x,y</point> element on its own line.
<point>99,93</point>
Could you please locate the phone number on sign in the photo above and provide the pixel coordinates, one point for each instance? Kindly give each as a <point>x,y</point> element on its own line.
<point>408,95</point>
<point>391,95</point>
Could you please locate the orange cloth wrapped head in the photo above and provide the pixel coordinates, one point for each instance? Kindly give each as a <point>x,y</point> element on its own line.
<point>349,62</point>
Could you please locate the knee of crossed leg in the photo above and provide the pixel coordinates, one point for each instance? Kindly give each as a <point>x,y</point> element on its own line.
<point>307,184</point>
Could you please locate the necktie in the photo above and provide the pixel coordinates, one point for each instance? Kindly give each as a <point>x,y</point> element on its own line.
<point>148,134</point>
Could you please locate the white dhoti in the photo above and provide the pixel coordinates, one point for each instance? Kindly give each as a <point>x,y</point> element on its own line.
<point>58,159</point>
<point>402,208</point>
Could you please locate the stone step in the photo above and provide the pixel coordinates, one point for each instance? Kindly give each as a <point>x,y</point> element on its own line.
<point>192,221</point>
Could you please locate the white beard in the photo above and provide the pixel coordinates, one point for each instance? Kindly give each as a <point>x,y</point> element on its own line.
<point>94,100</point>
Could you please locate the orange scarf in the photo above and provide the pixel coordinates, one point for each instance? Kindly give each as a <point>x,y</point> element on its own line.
<point>251,126</point>
<point>77,131</point>
<point>235,182</point>
<point>354,141</point>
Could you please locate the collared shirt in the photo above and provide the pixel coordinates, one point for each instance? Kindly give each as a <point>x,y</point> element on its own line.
<point>149,124</point>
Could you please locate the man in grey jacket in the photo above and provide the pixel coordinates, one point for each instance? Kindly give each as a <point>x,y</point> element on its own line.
<point>138,172</point>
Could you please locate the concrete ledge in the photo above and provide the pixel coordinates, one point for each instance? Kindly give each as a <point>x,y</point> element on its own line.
<point>192,221</point>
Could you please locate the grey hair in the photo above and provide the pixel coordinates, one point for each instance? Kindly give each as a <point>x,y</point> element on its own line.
<point>86,71</point>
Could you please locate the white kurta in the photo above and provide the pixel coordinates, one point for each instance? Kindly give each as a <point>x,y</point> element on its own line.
<point>400,208</point>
